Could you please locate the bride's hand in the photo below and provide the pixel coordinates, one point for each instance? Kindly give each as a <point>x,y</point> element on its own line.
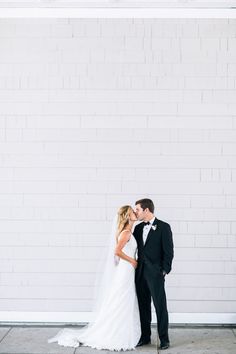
<point>134,263</point>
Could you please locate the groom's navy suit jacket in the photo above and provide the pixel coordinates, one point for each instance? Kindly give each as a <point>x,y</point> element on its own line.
<point>157,253</point>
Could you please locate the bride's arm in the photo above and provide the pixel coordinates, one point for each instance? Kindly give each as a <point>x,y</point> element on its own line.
<point>123,239</point>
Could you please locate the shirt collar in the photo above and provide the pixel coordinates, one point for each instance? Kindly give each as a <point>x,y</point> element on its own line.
<point>152,220</point>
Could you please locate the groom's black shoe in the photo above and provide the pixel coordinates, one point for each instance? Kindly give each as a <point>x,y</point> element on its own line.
<point>164,345</point>
<point>143,342</point>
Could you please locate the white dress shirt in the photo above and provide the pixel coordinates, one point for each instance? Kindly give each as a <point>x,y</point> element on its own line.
<point>146,230</point>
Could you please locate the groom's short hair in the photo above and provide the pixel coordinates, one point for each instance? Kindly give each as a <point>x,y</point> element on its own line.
<point>146,203</point>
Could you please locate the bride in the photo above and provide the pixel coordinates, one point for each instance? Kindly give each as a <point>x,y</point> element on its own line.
<point>116,325</point>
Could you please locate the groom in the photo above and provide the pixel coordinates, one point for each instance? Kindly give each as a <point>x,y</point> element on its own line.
<point>155,254</point>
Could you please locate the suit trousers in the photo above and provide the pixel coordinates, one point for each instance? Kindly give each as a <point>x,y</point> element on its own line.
<point>150,284</point>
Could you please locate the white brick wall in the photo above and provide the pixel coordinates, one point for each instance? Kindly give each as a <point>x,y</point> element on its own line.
<point>95,113</point>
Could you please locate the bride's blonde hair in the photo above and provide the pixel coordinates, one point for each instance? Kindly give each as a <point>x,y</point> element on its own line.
<point>123,219</point>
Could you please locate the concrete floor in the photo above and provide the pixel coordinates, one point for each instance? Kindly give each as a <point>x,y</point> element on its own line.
<point>195,340</point>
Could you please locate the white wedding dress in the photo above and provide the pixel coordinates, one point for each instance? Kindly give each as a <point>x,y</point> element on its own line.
<point>117,324</point>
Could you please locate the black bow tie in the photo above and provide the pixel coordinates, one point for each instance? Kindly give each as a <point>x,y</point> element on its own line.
<point>147,223</point>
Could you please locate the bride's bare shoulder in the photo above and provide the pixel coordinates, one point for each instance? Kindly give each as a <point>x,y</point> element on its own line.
<point>125,235</point>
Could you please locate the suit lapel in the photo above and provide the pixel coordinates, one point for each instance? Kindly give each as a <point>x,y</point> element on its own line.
<point>141,237</point>
<point>151,232</point>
